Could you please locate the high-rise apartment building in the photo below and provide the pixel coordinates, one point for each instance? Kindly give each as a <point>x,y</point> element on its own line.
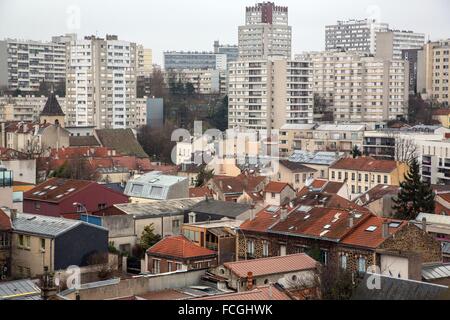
<point>24,64</point>
<point>359,87</point>
<point>208,81</point>
<point>353,35</point>
<point>24,108</point>
<point>101,83</point>
<point>144,61</point>
<point>390,44</point>
<point>180,60</point>
<point>433,71</point>
<point>268,93</point>
<point>231,51</point>
<point>266,32</point>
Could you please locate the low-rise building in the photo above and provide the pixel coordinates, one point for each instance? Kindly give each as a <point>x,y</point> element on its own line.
<point>294,173</point>
<point>155,186</point>
<point>5,245</point>
<point>278,193</point>
<point>210,210</point>
<point>379,200</point>
<point>69,198</point>
<point>178,253</point>
<point>320,160</point>
<point>364,173</point>
<point>226,188</point>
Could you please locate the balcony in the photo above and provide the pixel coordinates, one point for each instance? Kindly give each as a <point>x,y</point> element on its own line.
<point>211,246</point>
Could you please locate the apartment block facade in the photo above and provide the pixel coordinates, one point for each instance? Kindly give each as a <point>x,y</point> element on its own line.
<point>266,32</point>
<point>24,64</point>
<point>26,108</point>
<point>266,94</point>
<point>101,83</point>
<point>359,87</point>
<point>433,75</point>
<point>205,81</point>
<point>190,60</point>
<point>391,43</point>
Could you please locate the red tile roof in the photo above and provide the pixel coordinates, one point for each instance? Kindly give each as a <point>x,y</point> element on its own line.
<point>179,247</point>
<point>56,190</point>
<point>257,294</point>
<point>262,221</point>
<point>323,186</point>
<point>365,164</point>
<point>276,187</point>
<point>238,184</point>
<point>362,237</point>
<point>377,193</point>
<point>322,223</point>
<point>5,221</point>
<point>272,265</point>
<point>199,192</point>
<point>441,210</point>
<point>322,199</point>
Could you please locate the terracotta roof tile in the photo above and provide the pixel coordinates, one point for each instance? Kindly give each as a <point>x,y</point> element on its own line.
<point>377,193</point>
<point>441,210</point>
<point>179,247</point>
<point>272,265</point>
<point>262,221</point>
<point>276,187</point>
<point>199,192</point>
<point>5,221</point>
<point>56,190</point>
<point>362,237</point>
<point>238,184</point>
<point>365,164</point>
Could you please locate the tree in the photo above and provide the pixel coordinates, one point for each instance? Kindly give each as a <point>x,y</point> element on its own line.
<point>204,176</point>
<point>148,237</point>
<point>157,84</point>
<point>77,168</point>
<point>157,142</point>
<point>218,118</point>
<point>415,196</point>
<point>356,152</point>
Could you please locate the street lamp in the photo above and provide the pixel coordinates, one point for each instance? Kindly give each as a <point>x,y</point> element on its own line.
<point>77,204</point>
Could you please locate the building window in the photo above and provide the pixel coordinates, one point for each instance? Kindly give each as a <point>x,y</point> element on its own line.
<point>379,179</point>
<point>265,249</point>
<point>178,266</point>
<point>21,241</point>
<point>37,205</point>
<point>169,266</point>
<point>324,257</point>
<point>156,266</point>
<point>273,195</point>
<point>332,175</point>
<point>343,262</point>
<point>385,179</point>
<point>175,224</point>
<point>250,247</point>
<point>297,178</point>
<point>353,176</point>
<point>42,244</point>
<point>339,175</point>
<point>362,264</point>
<point>366,178</point>
<point>101,206</point>
<point>4,240</point>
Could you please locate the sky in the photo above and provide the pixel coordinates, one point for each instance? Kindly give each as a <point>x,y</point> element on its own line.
<point>195,24</point>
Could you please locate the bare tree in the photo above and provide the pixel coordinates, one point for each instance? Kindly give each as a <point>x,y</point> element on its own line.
<point>405,149</point>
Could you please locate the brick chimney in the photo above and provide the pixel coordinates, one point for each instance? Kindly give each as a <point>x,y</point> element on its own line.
<point>249,280</point>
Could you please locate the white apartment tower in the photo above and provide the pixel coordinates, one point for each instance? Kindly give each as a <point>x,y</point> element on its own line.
<point>24,64</point>
<point>268,93</point>
<point>101,83</point>
<point>359,87</point>
<point>266,32</point>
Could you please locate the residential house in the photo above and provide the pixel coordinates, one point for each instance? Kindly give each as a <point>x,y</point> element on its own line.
<point>42,241</point>
<point>175,253</point>
<point>6,187</point>
<point>379,200</point>
<point>294,173</point>
<point>288,271</point>
<point>364,173</point>
<point>219,236</point>
<point>190,171</point>
<point>155,186</point>
<point>327,187</point>
<point>227,188</point>
<point>262,293</point>
<point>126,222</point>
<point>199,192</point>
<point>69,198</point>
<point>436,225</point>
<point>278,193</point>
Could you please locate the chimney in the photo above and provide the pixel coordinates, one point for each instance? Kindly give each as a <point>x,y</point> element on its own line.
<point>249,280</point>
<point>424,225</point>
<point>13,214</point>
<point>385,229</point>
<point>283,214</point>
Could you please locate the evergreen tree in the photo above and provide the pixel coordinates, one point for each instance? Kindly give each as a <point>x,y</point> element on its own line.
<point>415,196</point>
<point>204,176</point>
<point>148,237</point>
<point>356,152</point>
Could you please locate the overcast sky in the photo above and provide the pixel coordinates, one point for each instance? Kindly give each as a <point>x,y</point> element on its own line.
<point>195,24</point>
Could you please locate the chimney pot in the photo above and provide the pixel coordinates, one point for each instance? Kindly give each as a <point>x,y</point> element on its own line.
<point>249,280</point>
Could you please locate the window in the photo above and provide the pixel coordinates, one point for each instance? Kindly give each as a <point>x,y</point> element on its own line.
<point>385,179</point>
<point>332,174</point>
<point>136,188</point>
<point>4,240</point>
<point>353,176</point>
<point>101,206</point>
<point>37,205</point>
<point>366,178</point>
<point>265,249</point>
<point>273,195</point>
<point>169,266</point>
<point>178,266</point>
<point>324,257</point>
<point>156,192</point>
<point>379,179</point>
<point>175,224</point>
<point>297,178</point>
<point>250,247</point>
<point>339,175</point>
<point>42,244</point>
<point>21,241</point>
<point>156,266</point>
<point>343,262</point>
<point>362,264</point>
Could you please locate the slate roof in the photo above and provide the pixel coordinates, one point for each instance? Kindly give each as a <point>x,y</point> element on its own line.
<point>296,167</point>
<point>121,140</point>
<point>272,265</point>
<point>398,289</point>
<point>158,208</point>
<point>179,247</point>
<point>83,141</point>
<point>221,208</point>
<point>52,107</point>
<point>19,290</point>
<point>44,225</point>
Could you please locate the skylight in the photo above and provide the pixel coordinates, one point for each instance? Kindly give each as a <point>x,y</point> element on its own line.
<point>371,228</point>
<point>272,209</point>
<point>394,224</point>
<point>71,189</point>
<point>328,226</point>
<point>324,233</point>
<point>307,217</point>
<point>358,215</point>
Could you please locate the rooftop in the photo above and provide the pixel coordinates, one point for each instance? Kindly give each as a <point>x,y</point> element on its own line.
<point>436,271</point>
<point>52,107</point>
<point>56,190</point>
<point>121,140</point>
<point>321,158</point>
<point>258,294</point>
<point>45,225</point>
<point>158,208</point>
<point>376,193</point>
<point>179,247</point>
<point>5,221</point>
<point>152,185</point>
<point>262,220</point>
<point>365,164</point>
<point>238,184</point>
<point>19,290</point>
<point>272,265</point>
<point>296,166</point>
<point>221,208</point>
<point>276,187</point>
